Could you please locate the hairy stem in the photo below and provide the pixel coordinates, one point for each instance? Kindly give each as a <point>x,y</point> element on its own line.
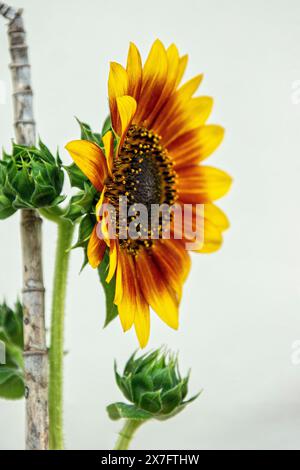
<point>126,434</point>
<point>35,351</point>
<point>56,354</point>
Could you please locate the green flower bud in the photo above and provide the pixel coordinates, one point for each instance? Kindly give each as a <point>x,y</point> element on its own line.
<point>29,178</point>
<point>154,386</point>
<point>11,344</point>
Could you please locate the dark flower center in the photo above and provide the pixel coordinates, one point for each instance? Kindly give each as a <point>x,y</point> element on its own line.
<point>144,173</point>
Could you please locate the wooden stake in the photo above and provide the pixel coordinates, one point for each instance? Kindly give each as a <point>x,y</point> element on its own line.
<point>35,350</point>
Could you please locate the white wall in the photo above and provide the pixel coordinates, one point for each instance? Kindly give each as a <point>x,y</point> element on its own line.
<point>240,310</point>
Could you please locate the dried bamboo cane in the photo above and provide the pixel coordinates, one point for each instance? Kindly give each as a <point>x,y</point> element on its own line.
<point>35,351</point>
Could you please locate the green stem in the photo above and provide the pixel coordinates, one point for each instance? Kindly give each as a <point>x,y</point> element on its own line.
<point>126,434</point>
<point>56,353</point>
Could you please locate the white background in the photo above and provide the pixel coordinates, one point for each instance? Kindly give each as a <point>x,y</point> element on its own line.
<point>240,310</point>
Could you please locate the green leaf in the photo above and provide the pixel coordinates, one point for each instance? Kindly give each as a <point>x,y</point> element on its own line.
<point>122,410</point>
<point>11,383</point>
<point>76,176</point>
<point>11,333</point>
<point>85,229</point>
<point>6,208</point>
<point>109,290</point>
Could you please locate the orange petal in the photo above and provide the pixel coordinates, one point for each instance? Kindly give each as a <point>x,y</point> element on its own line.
<point>170,83</point>
<point>96,249</point>
<point>117,86</point>
<point>134,71</point>
<point>175,110</point>
<point>174,261</point>
<point>154,77</point>
<point>195,145</point>
<point>127,304</point>
<point>157,293</point>
<point>199,184</point>
<point>90,159</point>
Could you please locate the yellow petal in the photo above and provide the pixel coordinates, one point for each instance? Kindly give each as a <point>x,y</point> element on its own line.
<point>117,86</point>
<point>119,285</point>
<point>134,71</point>
<point>99,205</point>
<point>210,137</point>
<point>126,109</point>
<point>181,68</point>
<point>200,108</point>
<point>112,260</point>
<point>216,216</point>
<point>127,305</point>
<point>96,249</point>
<point>108,142</point>
<point>212,238</point>
<point>90,159</point>
<point>189,88</point>
<point>142,325</point>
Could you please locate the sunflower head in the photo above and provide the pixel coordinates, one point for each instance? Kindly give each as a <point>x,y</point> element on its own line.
<point>150,156</point>
<point>154,386</point>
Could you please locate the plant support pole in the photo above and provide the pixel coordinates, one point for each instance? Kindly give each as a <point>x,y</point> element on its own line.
<point>35,351</point>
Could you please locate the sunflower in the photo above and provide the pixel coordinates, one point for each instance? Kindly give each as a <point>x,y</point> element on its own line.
<point>153,155</point>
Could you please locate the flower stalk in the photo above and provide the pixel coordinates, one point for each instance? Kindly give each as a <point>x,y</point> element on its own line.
<point>127,433</point>
<point>56,354</point>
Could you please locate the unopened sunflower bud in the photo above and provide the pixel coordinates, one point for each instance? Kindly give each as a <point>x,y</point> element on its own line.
<point>154,386</point>
<point>30,178</point>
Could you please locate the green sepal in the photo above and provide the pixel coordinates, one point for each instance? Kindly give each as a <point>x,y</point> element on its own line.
<point>122,410</point>
<point>171,399</point>
<point>107,126</point>
<point>151,401</point>
<point>109,289</point>
<point>82,203</point>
